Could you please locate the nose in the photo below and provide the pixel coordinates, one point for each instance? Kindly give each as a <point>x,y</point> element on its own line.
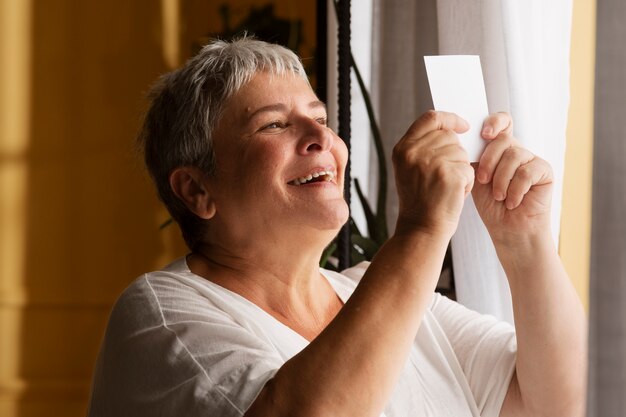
<point>316,137</point>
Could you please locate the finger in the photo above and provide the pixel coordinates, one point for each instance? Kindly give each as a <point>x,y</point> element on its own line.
<point>490,158</point>
<point>536,172</point>
<point>512,159</point>
<point>434,148</point>
<point>436,120</point>
<point>437,139</point>
<point>495,124</point>
<point>462,175</point>
<point>468,171</point>
<point>453,152</point>
<point>411,147</point>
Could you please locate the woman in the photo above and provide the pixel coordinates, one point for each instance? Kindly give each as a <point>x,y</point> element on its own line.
<point>247,323</point>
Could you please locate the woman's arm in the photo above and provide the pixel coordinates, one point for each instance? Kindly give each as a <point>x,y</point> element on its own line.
<point>512,195</point>
<point>352,367</point>
<point>551,332</point>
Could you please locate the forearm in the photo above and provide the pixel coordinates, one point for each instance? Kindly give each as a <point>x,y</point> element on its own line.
<point>353,365</point>
<point>551,328</point>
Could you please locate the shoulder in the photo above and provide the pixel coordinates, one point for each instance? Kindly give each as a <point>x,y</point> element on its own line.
<point>345,282</point>
<point>350,276</point>
<point>170,348</point>
<point>160,308</point>
<point>452,313</point>
<point>145,300</point>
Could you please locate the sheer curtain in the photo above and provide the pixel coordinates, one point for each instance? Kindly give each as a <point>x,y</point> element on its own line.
<point>524,50</point>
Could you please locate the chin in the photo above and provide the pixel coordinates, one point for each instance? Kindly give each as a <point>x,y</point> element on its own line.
<point>326,218</point>
<point>335,217</point>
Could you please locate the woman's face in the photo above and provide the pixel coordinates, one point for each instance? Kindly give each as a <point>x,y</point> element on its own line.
<point>278,164</point>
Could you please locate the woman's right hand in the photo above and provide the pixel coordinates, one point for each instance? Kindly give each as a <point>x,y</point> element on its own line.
<point>433,174</point>
<point>328,377</point>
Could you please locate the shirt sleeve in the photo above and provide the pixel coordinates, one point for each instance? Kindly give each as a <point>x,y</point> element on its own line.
<point>175,355</point>
<point>485,348</point>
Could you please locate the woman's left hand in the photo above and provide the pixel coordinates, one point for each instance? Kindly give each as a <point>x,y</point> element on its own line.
<point>513,187</point>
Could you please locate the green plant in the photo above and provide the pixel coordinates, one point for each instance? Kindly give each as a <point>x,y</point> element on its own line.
<point>364,247</point>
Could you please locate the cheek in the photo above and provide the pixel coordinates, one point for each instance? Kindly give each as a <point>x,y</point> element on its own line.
<point>341,152</point>
<point>264,162</point>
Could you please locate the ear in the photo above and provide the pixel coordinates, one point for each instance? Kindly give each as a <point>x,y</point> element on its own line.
<point>189,184</point>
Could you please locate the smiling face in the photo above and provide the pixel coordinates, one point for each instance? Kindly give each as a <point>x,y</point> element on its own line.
<point>280,168</point>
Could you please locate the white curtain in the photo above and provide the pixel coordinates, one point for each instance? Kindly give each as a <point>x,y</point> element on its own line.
<point>524,50</point>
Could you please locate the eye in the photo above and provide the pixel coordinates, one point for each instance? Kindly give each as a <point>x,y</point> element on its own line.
<point>322,120</point>
<point>274,125</point>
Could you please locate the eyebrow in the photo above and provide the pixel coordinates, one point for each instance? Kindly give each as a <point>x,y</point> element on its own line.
<point>281,107</point>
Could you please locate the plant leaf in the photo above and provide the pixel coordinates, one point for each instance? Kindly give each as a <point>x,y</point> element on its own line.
<point>356,256</point>
<point>369,246</point>
<point>166,223</point>
<point>381,209</point>
<point>370,217</point>
<point>328,251</point>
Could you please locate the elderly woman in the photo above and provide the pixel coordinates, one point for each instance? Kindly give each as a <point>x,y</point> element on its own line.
<point>248,324</point>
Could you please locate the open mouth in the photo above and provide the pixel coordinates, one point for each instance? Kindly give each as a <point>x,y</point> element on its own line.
<point>317,176</point>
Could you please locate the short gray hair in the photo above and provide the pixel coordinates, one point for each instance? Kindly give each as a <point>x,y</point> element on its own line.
<point>185,107</point>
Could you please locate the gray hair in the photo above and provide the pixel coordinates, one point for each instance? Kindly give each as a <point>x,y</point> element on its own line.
<point>185,107</point>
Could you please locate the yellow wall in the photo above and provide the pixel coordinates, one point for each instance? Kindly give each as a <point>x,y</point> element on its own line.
<point>78,217</point>
<point>575,236</point>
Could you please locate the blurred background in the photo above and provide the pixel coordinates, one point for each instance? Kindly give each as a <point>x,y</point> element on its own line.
<point>78,216</point>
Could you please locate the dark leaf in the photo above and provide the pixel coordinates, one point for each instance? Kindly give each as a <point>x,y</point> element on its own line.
<point>367,245</point>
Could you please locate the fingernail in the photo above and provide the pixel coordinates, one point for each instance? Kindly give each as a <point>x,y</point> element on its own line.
<point>482,176</point>
<point>498,196</point>
<point>487,131</point>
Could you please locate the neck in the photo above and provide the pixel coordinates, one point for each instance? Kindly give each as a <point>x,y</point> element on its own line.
<point>288,254</point>
<point>265,268</point>
<point>280,276</point>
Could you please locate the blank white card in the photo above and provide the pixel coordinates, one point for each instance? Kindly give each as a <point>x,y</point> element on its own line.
<point>457,86</point>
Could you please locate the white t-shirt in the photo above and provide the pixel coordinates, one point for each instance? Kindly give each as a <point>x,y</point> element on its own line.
<point>179,345</point>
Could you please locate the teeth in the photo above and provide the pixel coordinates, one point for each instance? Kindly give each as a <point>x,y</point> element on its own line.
<point>328,176</point>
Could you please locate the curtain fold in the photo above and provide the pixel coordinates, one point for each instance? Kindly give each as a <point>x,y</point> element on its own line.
<point>404,31</point>
<point>607,327</point>
<point>524,50</point>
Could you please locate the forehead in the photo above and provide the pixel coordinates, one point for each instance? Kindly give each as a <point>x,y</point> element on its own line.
<point>266,88</point>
